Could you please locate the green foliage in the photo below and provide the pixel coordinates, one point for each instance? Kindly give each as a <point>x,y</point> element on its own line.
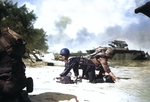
<point>10,12</point>
<point>57,56</point>
<point>21,21</point>
<point>39,39</point>
<point>79,53</point>
<point>75,54</point>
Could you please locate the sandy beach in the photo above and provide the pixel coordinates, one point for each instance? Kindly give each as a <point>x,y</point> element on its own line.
<point>130,88</point>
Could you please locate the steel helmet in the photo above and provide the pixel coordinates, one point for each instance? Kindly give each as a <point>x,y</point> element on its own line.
<point>110,52</point>
<point>64,51</point>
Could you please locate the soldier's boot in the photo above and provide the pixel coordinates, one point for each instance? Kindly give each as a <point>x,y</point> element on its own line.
<point>23,96</point>
<point>109,79</point>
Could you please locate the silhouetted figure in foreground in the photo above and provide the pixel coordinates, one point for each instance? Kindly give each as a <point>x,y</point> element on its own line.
<point>145,9</point>
<point>12,69</point>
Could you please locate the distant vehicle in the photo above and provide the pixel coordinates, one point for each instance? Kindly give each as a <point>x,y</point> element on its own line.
<point>123,53</point>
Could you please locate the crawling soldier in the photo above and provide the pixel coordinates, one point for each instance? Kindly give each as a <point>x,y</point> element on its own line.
<point>89,65</point>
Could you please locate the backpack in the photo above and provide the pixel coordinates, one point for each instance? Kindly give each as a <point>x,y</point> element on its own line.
<point>11,42</point>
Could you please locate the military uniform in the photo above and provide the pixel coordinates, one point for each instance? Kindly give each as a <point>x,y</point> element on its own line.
<point>96,61</point>
<point>12,73</point>
<point>102,54</point>
<point>88,66</point>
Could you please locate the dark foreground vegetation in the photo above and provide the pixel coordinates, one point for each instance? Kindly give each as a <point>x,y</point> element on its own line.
<point>21,21</point>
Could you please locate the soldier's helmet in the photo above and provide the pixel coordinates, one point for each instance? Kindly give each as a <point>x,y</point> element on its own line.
<point>110,52</point>
<point>64,51</point>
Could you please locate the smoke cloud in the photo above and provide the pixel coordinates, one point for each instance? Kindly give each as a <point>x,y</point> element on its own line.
<point>136,34</point>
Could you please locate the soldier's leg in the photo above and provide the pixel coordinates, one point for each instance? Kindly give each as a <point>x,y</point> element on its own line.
<point>10,87</point>
<point>84,74</point>
<point>4,96</point>
<point>8,98</point>
<point>1,87</point>
<point>91,74</point>
<point>99,78</point>
<point>1,84</point>
<point>93,78</point>
<point>23,96</point>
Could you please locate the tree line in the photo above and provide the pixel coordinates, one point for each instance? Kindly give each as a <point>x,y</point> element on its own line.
<point>20,20</point>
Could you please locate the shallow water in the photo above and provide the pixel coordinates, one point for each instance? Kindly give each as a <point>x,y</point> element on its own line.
<point>133,85</point>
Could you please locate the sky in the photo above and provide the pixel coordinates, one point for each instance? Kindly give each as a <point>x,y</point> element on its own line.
<point>80,25</point>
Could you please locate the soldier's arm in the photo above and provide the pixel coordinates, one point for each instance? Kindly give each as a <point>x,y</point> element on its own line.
<point>66,71</point>
<point>113,76</point>
<point>104,63</point>
<point>72,63</point>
